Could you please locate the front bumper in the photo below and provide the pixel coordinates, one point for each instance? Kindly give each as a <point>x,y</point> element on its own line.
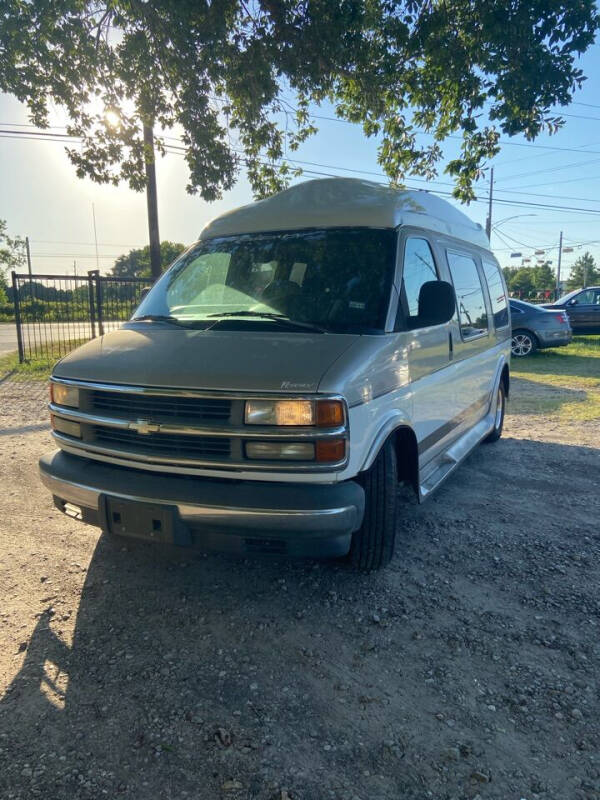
<point>229,515</point>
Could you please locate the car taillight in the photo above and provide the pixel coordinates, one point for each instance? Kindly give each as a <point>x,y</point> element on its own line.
<point>561,317</point>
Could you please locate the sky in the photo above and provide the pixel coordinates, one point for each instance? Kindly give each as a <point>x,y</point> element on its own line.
<point>41,197</point>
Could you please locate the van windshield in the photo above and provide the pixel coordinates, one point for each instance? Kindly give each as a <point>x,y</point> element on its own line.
<point>338,279</point>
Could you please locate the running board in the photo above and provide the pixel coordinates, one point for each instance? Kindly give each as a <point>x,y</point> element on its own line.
<point>437,472</point>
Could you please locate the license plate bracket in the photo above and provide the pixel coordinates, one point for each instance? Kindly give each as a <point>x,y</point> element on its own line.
<point>153,522</point>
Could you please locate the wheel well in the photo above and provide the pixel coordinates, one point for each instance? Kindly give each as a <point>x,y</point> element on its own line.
<point>527,331</point>
<point>505,378</point>
<point>407,456</point>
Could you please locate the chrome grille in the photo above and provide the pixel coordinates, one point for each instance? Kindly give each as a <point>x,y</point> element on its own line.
<point>154,427</point>
<point>164,444</point>
<point>160,407</point>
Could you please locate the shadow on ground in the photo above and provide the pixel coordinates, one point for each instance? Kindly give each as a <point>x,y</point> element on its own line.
<point>208,677</point>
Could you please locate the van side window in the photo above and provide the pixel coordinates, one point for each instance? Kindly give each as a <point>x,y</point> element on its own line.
<point>419,267</point>
<point>497,294</point>
<point>472,313</point>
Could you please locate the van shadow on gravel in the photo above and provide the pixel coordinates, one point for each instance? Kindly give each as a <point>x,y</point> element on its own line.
<point>467,668</point>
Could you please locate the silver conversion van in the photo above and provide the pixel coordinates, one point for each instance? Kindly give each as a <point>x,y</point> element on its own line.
<point>306,355</point>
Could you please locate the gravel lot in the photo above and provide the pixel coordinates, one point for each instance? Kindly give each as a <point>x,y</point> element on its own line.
<point>468,669</point>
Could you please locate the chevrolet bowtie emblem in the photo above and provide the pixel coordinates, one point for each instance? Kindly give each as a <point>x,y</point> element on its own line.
<point>144,426</point>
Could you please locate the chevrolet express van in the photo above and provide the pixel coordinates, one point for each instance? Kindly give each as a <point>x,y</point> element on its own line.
<point>310,352</point>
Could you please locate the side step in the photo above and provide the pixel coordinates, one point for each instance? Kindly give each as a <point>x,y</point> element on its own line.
<point>440,467</point>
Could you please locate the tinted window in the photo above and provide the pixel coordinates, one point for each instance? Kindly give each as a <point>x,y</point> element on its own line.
<point>586,298</point>
<point>419,267</point>
<point>497,293</point>
<point>469,295</point>
<point>338,278</point>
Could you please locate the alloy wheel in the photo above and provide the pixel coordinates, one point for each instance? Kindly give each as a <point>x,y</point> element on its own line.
<point>521,345</point>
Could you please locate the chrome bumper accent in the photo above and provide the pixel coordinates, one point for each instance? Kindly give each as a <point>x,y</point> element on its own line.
<point>246,432</point>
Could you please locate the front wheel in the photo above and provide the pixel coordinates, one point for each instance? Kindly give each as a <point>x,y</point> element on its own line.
<point>373,544</point>
<point>499,417</point>
<point>523,344</point>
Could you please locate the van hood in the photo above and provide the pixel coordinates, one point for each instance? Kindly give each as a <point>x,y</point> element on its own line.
<point>149,354</point>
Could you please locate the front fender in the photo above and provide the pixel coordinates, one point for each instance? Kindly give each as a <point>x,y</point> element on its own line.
<point>393,420</point>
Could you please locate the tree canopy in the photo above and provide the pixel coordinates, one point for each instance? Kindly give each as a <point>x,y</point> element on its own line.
<point>584,272</point>
<point>136,264</point>
<point>527,280</point>
<point>238,79</point>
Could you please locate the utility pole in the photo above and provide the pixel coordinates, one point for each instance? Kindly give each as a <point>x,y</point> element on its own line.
<point>488,222</point>
<point>75,268</point>
<point>558,267</point>
<point>152,201</point>
<point>95,236</point>
<point>28,257</point>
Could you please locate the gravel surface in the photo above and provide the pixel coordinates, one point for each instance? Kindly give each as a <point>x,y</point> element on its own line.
<point>467,669</point>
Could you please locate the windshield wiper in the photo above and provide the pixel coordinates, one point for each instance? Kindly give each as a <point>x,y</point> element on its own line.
<point>280,318</point>
<point>161,318</point>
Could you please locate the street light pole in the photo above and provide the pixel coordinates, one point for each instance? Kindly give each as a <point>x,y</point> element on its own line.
<point>488,222</point>
<point>560,241</point>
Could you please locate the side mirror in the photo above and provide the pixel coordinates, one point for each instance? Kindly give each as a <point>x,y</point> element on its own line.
<point>437,303</point>
<point>573,302</point>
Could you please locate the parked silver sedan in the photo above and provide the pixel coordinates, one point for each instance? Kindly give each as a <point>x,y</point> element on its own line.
<point>535,327</point>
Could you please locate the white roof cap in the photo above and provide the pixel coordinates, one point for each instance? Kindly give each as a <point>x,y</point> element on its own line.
<point>347,202</point>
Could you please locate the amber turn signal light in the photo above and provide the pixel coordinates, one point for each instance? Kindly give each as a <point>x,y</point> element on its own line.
<point>330,413</point>
<point>330,450</point>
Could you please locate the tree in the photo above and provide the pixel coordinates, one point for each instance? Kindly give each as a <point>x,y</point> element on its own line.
<point>543,277</point>
<point>238,79</point>
<point>584,272</point>
<point>12,256</point>
<point>136,264</point>
<point>521,280</point>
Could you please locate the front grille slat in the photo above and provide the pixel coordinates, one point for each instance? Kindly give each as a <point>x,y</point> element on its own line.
<point>161,408</point>
<point>171,445</point>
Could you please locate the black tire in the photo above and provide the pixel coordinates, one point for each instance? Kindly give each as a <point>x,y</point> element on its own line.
<point>373,544</point>
<point>523,343</point>
<point>499,419</point>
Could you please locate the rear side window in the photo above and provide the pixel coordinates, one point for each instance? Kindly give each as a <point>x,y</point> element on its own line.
<point>419,267</point>
<point>472,313</point>
<point>497,294</point>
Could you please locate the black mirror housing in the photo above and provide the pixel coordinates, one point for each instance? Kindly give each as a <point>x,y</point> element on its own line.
<point>437,303</point>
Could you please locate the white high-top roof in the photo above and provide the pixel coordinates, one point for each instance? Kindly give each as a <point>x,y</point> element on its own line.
<point>347,202</point>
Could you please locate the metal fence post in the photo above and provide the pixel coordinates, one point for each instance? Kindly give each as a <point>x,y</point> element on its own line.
<point>99,301</point>
<point>91,302</point>
<point>18,319</point>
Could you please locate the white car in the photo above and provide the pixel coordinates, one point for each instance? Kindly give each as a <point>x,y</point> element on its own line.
<point>306,355</point>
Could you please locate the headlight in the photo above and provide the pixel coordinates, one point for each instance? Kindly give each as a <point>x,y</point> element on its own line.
<point>64,395</point>
<point>322,413</point>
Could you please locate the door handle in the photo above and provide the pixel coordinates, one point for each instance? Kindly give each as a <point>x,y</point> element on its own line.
<point>450,345</point>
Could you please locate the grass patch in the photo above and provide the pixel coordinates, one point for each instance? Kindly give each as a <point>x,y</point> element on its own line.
<point>579,361</point>
<point>34,369</point>
<point>563,381</point>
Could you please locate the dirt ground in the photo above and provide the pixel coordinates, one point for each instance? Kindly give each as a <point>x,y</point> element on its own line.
<point>468,669</point>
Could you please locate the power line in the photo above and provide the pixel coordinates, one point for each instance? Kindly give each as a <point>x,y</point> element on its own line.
<point>90,244</point>
<point>548,170</point>
<point>89,256</point>
<point>504,142</point>
<point>503,201</point>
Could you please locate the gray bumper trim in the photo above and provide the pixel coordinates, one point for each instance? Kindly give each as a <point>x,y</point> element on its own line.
<point>238,507</point>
